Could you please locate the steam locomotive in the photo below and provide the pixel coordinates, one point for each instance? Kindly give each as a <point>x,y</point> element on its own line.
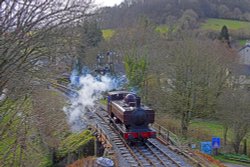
<point>129,116</point>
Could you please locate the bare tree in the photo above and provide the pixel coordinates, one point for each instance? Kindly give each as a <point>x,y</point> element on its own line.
<point>189,20</point>
<point>32,33</point>
<point>196,75</point>
<point>234,113</point>
<point>26,27</point>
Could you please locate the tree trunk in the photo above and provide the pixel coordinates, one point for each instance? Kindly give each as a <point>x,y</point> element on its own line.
<point>184,124</point>
<point>53,155</point>
<point>184,131</point>
<point>225,134</point>
<point>236,146</point>
<point>245,147</point>
<point>240,132</point>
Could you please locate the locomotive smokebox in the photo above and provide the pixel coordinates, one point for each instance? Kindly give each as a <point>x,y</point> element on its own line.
<point>139,117</point>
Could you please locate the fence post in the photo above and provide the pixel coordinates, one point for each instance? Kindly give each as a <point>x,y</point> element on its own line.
<point>168,136</point>
<point>95,146</point>
<point>159,130</point>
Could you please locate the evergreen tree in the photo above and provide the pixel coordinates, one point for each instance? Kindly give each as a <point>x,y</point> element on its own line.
<point>136,71</point>
<point>224,35</point>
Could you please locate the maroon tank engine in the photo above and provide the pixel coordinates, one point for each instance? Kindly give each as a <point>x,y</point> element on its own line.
<point>130,116</point>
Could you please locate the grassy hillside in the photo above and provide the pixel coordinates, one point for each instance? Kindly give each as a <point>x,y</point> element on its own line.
<point>209,24</point>
<point>216,24</point>
<point>109,33</point>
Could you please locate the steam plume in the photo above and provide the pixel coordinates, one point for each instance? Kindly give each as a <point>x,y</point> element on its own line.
<point>90,90</point>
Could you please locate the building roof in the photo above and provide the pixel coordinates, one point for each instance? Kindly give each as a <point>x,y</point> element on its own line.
<point>244,47</point>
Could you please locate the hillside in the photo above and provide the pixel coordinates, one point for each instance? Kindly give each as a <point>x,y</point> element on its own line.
<point>172,11</point>
<point>238,29</point>
<point>216,24</point>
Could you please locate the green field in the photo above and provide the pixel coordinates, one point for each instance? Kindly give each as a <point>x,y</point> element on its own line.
<point>108,33</point>
<point>242,42</point>
<point>162,29</point>
<point>214,128</point>
<point>216,24</point>
<point>209,24</point>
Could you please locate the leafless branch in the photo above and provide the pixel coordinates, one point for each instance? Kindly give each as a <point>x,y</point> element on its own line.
<point>24,24</point>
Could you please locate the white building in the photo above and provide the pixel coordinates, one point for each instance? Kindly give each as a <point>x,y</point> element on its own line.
<point>245,54</point>
<point>242,70</point>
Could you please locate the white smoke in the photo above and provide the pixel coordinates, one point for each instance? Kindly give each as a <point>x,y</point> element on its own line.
<point>91,89</point>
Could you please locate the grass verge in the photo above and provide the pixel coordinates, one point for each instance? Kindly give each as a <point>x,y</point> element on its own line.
<point>223,159</point>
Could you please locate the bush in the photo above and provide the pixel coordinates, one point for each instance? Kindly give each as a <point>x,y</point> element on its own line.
<point>75,146</point>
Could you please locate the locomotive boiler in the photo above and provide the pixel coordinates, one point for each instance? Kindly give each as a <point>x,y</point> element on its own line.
<point>130,116</point>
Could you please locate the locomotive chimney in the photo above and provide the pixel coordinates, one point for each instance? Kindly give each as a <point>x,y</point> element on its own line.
<point>138,102</point>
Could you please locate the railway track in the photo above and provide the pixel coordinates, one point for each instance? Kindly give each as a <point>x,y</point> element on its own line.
<point>120,146</point>
<point>150,153</point>
<point>64,89</point>
<point>153,153</point>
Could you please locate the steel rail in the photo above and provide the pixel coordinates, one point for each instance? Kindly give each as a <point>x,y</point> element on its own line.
<point>156,155</point>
